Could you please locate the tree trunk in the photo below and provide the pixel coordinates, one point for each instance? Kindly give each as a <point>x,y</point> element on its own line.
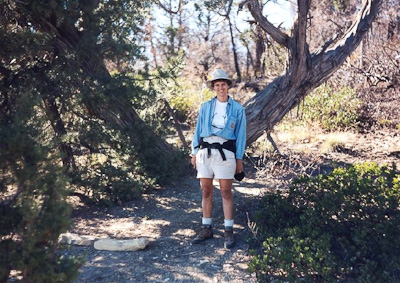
<point>249,62</point>
<point>156,154</point>
<point>305,71</point>
<point>260,49</point>
<point>235,56</point>
<point>59,129</point>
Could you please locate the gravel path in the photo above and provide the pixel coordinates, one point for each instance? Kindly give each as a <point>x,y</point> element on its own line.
<point>169,217</point>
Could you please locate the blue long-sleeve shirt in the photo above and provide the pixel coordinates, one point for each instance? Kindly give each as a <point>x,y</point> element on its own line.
<point>235,127</point>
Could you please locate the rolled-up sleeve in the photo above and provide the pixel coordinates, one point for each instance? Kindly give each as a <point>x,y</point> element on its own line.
<point>196,136</point>
<point>240,132</point>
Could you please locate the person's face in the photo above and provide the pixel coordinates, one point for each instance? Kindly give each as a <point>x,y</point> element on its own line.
<point>221,88</point>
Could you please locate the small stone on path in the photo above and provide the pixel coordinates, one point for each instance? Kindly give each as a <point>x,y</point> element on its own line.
<point>121,245</point>
<point>75,239</point>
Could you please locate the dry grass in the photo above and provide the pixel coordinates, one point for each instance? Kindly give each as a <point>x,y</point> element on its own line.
<point>297,134</point>
<point>299,138</point>
<point>333,141</point>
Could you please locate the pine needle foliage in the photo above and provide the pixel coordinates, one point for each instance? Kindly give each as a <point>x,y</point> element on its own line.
<point>33,195</point>
<point>58,50</point>
<point>67,126</point>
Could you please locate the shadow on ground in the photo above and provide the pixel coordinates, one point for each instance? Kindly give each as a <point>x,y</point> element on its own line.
<point>169,217</point>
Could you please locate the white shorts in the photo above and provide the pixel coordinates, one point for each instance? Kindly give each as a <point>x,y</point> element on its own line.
<point>214,166</point>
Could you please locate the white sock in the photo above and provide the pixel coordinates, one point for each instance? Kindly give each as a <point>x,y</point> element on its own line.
<point>228,223</point>
<point>206,221</point>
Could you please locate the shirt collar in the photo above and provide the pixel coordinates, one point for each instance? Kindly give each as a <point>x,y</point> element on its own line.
<point>229,99</point>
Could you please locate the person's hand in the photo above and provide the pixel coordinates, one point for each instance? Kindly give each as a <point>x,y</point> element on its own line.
<point>193,161</point>
<point>239,166</point>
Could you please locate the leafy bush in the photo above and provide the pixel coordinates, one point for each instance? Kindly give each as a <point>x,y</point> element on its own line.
<point>188,99</point>
<point>175,91</point>
<point>333,110</point>
<point>114,173</point>
<point>33,206</point>
<point>338,226</point>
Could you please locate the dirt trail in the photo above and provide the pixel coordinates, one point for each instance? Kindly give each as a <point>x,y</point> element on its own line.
<point>169,217</point>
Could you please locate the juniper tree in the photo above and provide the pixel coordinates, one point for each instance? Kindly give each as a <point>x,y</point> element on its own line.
<point>33,208</point>
<point>67,44</point>
<point>305,70</point>
<point>67,124</point>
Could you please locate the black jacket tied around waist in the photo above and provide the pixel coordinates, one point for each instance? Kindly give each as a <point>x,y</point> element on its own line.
<point>228,145</point>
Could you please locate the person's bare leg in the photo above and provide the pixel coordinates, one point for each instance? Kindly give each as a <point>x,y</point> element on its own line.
<point>227,197</point>
<point>207,196</point>
<point>227,203</point>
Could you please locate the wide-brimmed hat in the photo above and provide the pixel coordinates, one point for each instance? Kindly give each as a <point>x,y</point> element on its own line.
<point>219,74</point>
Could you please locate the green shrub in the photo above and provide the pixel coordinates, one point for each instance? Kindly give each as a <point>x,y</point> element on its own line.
<point>344,225</point>
<point>33,205</point>
<point>333,110</point>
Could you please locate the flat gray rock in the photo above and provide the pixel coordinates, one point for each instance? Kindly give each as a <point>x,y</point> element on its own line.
<point>75,239</point>
<point>121,245</point>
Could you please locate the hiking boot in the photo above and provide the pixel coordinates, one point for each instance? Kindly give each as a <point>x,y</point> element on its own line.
<point>229,239</point>
<point>204,234</point>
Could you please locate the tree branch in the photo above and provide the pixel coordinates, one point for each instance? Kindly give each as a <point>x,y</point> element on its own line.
<point>229,7</point>
<point>227,12</point>
<point>336,55</point>
<point>274,32</point>
<point>304,6</point>
<point>169,10</point>
<point>299,54</point>
<point>305,71</point>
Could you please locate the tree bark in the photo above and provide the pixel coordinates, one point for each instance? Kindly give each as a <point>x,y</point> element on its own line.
<point>305,71</point>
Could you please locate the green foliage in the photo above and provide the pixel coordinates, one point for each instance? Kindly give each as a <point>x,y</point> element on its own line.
<point>333,110</point>
<point>66,124</point>
<point>215,4</point>
<point>166,87</point>
<point>187,100</point>
<point>58,54</point>
<point>173,90</point>
<point>33,208</point>
<point>108,169</point>
<point>342,225</point>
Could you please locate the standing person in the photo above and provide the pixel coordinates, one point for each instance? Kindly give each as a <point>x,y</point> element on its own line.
<point>218,146</point>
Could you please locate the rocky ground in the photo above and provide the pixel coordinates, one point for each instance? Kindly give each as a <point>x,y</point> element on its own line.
<point>170,216</point>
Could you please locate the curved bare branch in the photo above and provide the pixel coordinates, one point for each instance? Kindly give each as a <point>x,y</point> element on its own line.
<point>325,62</point>
<point>301,28</point>
<point>304,72</point>
<point>274,32</point>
